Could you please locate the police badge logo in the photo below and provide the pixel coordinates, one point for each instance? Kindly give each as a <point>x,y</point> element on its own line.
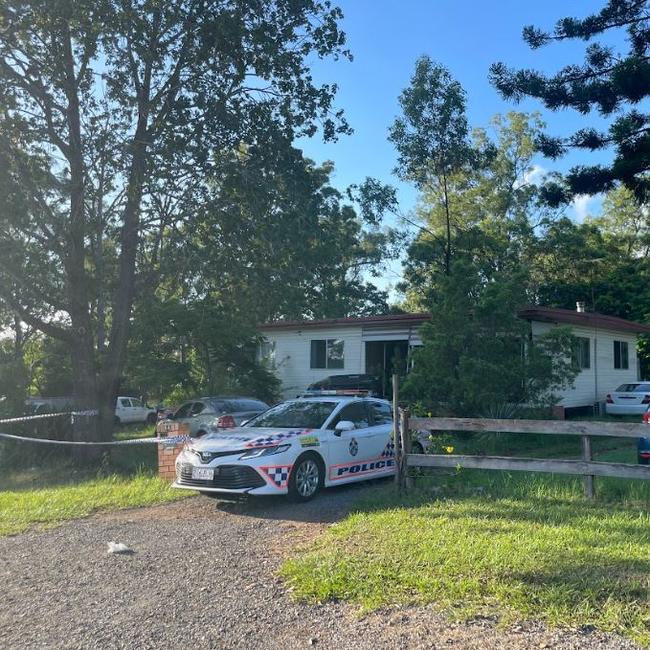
<point>354,447</point>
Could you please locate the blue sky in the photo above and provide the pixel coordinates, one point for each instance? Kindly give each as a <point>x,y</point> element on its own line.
<point>387,36</point>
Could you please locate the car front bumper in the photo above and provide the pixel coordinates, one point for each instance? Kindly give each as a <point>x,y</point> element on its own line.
<point>261,476</point>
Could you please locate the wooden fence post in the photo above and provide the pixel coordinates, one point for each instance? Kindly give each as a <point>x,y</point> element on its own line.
<point>588,478</point>
<point>405,444</point>
<point>396,437</point>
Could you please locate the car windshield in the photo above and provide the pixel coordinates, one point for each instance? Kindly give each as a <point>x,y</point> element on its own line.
<point>304,414</point>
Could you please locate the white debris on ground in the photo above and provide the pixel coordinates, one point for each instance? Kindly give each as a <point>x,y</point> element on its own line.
<point>118,547</point>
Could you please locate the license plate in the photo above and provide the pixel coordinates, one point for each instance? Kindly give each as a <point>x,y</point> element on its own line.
<point>203,473</point>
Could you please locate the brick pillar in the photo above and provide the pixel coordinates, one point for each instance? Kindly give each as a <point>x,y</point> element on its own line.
<point>167,451</point>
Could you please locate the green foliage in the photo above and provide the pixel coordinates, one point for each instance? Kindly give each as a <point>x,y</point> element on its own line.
<point>118,123</point>
<point>611,83</point>
<point>50,370</point>
<point>23,508</point>
<point>477,354</point>
<point>477,358</point>
<point>273,240</point>
<point>494,207</point>
<point>603,262</point>
<point>431,137</point>
<point>13,380</point>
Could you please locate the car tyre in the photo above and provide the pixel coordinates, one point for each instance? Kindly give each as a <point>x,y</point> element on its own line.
<point>307,477</point>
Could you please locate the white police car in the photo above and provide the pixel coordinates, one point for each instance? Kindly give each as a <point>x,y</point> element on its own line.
<point>294,448</point>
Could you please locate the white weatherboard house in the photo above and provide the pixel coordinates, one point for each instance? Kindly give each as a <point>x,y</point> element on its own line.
<point>606,350</point>
<point>303,352</point>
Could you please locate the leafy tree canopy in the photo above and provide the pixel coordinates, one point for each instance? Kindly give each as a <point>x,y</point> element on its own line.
<point>431,136</point>
<point>114,118</point>
<point>613,84</point>
<point>477,358</point>
<point>496,210</point>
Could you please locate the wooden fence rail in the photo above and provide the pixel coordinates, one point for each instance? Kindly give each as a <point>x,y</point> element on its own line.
<point>587,467</point>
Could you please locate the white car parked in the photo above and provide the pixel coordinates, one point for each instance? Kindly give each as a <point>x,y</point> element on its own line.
<point>221,412</point>
<point>629,399</point>
<point>295,448</point>
<point>129,410</point>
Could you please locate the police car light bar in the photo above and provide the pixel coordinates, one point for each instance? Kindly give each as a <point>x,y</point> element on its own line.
<point>351,392</point>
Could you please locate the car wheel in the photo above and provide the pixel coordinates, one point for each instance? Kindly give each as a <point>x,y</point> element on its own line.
<point>151,418</point>
<point>306,478</point>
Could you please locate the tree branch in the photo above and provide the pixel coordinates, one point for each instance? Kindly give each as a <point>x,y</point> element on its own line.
<point>34,321</point>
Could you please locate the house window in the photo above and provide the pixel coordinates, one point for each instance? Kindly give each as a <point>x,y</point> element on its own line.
<point>326,353</point>
<point>621,355</point>
<point>582,354</point>
<point>266,353</point>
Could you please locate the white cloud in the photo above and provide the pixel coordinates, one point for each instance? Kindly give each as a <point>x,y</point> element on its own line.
<point>535,175</point>
<point>581,205</point>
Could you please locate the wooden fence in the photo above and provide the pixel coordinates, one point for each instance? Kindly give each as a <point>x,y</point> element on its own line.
<point>586,467</point>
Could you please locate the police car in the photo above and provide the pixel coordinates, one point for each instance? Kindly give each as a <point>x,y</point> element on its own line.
<point>295,448</point>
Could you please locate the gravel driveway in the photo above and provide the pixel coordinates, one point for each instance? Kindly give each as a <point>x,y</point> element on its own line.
<point>203,576</point>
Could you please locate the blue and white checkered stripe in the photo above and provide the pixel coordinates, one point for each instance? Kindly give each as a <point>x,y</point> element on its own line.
<point>275,438</point>
<point>389,450</point>
<point>279,475</point>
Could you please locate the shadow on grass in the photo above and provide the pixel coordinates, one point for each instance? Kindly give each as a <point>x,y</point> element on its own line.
<point>56,472</point>
<point>562,561</point>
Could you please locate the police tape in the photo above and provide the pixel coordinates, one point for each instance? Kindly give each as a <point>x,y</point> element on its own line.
<point>174,440</point>
<point>44,416</point>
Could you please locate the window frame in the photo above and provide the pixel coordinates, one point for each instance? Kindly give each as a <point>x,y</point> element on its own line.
<point>363,404</point>
<point>189,406</point>
<point>328,362</point>
<point>198,408</point>
<point>375,404</point>
<point>621,361</point>
<point>266,353</point>
<point>580,350</point>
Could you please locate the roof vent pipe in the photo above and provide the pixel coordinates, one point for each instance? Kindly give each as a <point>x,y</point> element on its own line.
<point>580,306</point>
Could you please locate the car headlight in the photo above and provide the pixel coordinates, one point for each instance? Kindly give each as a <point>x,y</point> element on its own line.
<point>264,451</point>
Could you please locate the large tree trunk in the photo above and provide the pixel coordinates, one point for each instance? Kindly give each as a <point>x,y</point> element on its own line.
<point>84,373</point>
<point>129,241</point>
<point>448,226</point>
<point>82,352</point>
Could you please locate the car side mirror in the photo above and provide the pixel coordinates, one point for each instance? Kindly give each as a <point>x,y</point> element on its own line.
<point>343,425</point>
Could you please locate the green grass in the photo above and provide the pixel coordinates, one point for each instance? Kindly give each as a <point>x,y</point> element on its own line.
<point>23,508</point>
<point>135,431</point>
<point>565,563</point>
<point>519,545</point>
<point>54,489</point>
